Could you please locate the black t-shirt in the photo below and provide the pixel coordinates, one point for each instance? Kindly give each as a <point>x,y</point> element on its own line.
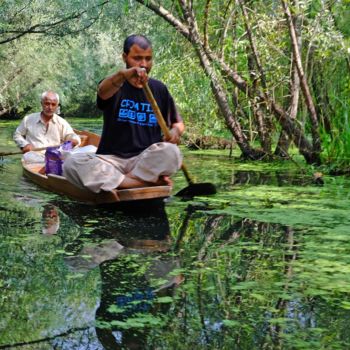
<point>130,125</point>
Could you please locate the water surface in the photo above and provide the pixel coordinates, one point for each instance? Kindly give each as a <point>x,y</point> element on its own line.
<point>264,264</point>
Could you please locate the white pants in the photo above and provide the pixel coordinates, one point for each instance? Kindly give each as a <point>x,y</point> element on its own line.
<point>107,172</point>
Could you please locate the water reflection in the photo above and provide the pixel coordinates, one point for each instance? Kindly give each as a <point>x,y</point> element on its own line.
<point>124,222</point>
<point>50,220</point>
<point>279,178</point>
<point>249,284</point>
<point>130,304</point>
<point>130,249</point>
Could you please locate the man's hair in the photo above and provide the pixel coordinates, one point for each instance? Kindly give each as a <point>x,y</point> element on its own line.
<point>45,93</point>
<point>139,40</point>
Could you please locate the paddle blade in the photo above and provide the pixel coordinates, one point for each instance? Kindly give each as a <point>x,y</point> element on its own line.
<point>199,189</point>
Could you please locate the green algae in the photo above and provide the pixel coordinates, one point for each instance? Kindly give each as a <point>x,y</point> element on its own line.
<point>264,263</point>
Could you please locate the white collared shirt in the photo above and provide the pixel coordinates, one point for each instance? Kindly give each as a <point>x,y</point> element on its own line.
<point>32,130</point>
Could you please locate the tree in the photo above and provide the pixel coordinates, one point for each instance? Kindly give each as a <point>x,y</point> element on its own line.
<point>195,23</point>
<point>58,18</point>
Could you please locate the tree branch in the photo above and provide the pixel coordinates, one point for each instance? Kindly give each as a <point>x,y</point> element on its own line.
<point>167,16</point>
<point>43,28</point>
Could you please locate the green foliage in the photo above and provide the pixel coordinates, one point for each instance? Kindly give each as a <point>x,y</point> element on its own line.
<point>71,46</point>
<point>190,88</point>
<point>56,18</point>
<point>70,67</point>
<point>336,144</point>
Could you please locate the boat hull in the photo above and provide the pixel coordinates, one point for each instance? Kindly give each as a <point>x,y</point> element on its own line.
<point>60,185</point>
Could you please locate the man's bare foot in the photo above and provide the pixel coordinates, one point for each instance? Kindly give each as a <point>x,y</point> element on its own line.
<point>115,195</point>
<point>164,180</point>
<point>131,182</point>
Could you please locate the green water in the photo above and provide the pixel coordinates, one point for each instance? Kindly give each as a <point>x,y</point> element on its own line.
<point>264,264</point>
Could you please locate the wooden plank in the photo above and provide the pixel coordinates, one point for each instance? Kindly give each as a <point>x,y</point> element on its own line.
<point>144,193</point>
<point>92,138</point>
<point>61,185</point>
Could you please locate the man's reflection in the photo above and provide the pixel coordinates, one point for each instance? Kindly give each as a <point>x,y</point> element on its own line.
<point>133,281</point>
<point>50,220</point>
<point>129,299</point>
<point>131,253</point>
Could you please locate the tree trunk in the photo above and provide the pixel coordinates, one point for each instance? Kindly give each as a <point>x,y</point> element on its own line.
<point>284,140</point>
<point>323,104</point>
<point>265,139</point>
<point>282,117</point>
<point>303,82</point>
<point>218,90</point>
<point>263,131</point>
<point>289,125</point>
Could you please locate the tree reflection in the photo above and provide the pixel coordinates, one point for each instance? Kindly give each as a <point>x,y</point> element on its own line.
<point>225,283</point>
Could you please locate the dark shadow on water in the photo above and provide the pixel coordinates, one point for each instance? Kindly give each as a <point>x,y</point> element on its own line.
<point>124,222</point>
<point>274,178</point>
<point>129,245</point>
<point>129,295</point>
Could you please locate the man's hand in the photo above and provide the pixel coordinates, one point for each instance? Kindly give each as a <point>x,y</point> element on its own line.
<point>27,148</point>
<point>176,131</point>
<point>174,136</point>
<point>137,76</point>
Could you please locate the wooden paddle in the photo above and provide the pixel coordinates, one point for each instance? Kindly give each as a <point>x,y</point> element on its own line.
<point>193,189</point>
<point>20,152</point>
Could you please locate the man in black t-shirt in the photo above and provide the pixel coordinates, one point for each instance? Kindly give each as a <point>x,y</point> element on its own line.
<point>132,152</point>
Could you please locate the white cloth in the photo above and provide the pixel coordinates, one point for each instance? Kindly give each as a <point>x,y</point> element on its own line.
<point>84,149</point>
<point>34,157</point>
<point>39,157</point>
<point>107,172</point>
<point>32,130</point>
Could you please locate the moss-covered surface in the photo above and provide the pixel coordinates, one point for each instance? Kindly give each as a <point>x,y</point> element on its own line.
<point>263,264</point>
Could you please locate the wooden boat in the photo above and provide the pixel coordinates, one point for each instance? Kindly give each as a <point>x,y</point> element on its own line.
<point>61,185</point>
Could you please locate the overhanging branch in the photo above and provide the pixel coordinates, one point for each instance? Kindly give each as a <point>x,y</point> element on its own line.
<point>48,28</point>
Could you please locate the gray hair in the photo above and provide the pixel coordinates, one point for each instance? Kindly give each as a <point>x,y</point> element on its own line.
<point>45,93</point>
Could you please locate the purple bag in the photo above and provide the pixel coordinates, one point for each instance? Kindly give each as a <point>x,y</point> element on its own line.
<point>67,146</point>
<point>53,161</point>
